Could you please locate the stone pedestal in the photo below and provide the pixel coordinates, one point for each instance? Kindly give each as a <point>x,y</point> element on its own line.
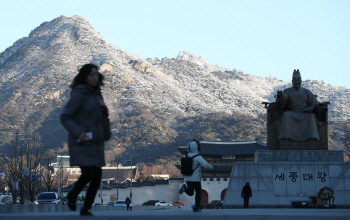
<point>280,177</point>
<point>302,145</point>
<point>298,156</point>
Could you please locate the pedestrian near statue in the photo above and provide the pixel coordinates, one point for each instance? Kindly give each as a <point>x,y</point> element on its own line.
<point>83,117</point>
<point>246,194</point>
<point>127,202</point>
<point>191,166</point>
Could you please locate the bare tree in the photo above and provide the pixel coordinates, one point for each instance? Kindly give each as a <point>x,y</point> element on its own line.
<point>24,155</point>
<point>49,179</point>
<point>13,163</point>
<point>8,166</point>
<point>34,157</point>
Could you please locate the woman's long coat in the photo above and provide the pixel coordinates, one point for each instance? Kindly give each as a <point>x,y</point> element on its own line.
<point>83,114</point>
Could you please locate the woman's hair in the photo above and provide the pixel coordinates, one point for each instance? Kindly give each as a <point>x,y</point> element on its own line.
<point>83,74</point>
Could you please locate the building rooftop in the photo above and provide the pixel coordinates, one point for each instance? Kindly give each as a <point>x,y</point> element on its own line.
<point>62,161</point>
<point>228,148</point>
<point>120,175</point>
<point>71,186</point>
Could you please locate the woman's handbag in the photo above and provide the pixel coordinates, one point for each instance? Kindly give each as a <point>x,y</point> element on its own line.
<point>105,122</point>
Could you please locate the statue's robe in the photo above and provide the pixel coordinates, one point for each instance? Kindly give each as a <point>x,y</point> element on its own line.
<point>295,124</point>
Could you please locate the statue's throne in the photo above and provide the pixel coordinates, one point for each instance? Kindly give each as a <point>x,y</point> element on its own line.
<point>274,114</point>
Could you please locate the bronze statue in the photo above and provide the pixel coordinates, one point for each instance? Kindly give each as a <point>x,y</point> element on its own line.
<point>297,122</point>
<point>326,194</point>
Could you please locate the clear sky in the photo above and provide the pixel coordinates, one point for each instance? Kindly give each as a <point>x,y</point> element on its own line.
<point>262,37</point>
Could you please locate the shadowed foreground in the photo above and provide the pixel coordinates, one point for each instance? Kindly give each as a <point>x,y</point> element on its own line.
<point>186,213</point>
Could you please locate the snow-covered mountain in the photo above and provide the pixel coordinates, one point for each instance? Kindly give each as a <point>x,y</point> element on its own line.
<point>184,55</point>
<point>36,70</point>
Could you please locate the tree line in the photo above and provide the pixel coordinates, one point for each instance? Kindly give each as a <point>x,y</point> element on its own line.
<point>28,169</point>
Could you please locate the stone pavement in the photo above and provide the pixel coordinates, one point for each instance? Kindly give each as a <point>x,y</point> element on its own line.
<point>187,214</point>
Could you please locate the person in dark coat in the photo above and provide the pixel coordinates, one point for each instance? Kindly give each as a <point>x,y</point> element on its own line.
<point>127,202</point>
<point>246,194</point>
<point>82,118</point>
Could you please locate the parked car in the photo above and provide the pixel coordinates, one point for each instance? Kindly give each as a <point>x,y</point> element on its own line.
<point>150,202</point>
<point>80,199</point>
<point>110,204</point>
<point>121,203</point>
<point>178,204</point>
<point>48,198</point>
<point>216,202</point>
<point>163,204</point>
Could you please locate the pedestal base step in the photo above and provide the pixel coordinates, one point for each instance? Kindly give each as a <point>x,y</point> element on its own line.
<point>300,204</point>
<point>322,206</point>
<point>305,204</point>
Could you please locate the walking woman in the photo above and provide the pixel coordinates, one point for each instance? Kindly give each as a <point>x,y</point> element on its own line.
<point>83,118</point>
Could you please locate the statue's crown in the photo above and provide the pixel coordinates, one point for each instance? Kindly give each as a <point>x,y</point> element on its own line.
<point>296,72</point>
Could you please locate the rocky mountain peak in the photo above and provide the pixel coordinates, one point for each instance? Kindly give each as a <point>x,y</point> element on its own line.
<point>74,27</point>
<point>61,23</point>
<point>184,55</point>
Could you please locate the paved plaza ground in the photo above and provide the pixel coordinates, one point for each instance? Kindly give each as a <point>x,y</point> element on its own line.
<point>187,214</point>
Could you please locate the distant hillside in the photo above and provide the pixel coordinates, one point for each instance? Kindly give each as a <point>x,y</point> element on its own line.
<point>155,105</point>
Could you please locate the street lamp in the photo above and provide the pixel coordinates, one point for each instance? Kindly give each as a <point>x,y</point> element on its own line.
<point>15,174</point>
<point>101,192</point>
<point>117,183</point>
<point>117,180</point>
<point>130,178</point>
<point>60,173</point>
<point>61,178</point>
<point>40,177</point>
<point>27,171</point>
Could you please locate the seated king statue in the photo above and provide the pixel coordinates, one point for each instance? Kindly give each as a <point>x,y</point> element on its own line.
<point>297,122</point>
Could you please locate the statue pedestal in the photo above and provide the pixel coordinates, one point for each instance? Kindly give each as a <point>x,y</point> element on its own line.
<point>298,156</point>
<point>302,145</point>
<point>281,177</point>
